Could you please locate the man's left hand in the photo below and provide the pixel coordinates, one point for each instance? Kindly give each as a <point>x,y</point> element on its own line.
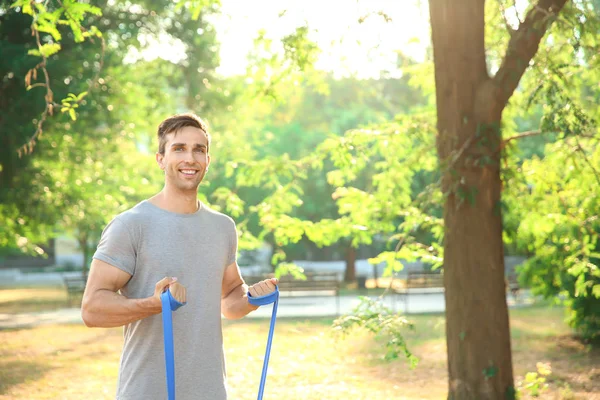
<point>263,288</point>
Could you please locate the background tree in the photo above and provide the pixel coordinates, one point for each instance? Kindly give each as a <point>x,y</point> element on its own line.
<point>470,103</point>
<point>128,97</point>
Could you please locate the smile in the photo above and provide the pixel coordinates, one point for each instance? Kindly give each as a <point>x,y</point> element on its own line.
<point>189,172</point>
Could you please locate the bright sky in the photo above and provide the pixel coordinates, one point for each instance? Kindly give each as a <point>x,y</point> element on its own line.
<point>347,46</point>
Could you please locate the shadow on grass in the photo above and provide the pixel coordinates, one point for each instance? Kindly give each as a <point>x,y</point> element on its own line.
<point>16,372</point>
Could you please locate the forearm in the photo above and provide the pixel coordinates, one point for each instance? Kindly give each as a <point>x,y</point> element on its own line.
<point>105,309</point>
<point>235,305</point>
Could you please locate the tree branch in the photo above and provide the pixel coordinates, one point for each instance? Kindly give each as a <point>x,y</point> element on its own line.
<point>523,46</point>
<point>517,13</point>
<point>27,148</point>
<point>521,135</point>
<point>539,132</point>
<point>509,28</point>
<point>588,162</point>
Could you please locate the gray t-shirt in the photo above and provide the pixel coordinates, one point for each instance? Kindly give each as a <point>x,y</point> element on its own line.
<point>151,243</point>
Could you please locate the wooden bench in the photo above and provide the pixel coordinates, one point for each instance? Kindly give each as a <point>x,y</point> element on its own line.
<point>420,282</point>
<point>75,286</point>
<point>317,284</point>
<point>431,282</point>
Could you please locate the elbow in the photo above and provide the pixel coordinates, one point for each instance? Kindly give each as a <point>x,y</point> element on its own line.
<point>233,313</point>
<point>231,316</point>
<point>87,314</point>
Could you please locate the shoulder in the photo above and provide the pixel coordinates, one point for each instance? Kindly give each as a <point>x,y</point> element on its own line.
<point>134,216</point>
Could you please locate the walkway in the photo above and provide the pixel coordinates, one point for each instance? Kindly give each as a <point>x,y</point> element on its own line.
<point>298,307</point>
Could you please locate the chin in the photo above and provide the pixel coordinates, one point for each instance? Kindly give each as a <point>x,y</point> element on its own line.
<point>188,187</point>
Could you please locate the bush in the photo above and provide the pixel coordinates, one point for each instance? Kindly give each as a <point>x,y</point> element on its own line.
<point>577,286</point>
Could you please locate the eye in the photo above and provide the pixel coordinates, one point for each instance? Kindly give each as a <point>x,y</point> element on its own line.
<point>178,149</point>
<point>200,150</point>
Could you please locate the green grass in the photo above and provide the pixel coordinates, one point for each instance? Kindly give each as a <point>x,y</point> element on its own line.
<point>308,361</point>
<point>33,299</point>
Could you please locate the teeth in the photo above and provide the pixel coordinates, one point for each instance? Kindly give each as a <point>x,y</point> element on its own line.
<point>189,171</point>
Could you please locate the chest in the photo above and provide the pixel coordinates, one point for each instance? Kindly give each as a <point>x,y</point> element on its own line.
<point>195,253</point>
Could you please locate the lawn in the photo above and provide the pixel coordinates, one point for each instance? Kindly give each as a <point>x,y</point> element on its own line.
<point>308,360</point>
<point>24,300</point>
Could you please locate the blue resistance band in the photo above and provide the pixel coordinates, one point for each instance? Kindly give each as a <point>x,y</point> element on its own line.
<point>272,297</point>
<point>169,304</point>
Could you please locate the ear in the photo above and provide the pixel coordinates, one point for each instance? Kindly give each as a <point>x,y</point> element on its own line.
<point>207,161</point>
<point>160,161</point>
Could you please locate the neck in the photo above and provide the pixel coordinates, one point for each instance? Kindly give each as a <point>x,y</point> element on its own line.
<point>174,200</point>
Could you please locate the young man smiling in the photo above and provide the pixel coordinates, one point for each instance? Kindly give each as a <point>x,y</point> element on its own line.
<point>171,241</point>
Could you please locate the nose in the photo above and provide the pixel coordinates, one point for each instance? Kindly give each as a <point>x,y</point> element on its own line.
<point>189,157</point>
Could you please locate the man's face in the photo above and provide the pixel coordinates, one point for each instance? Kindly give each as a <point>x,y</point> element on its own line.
<point>186,158</point>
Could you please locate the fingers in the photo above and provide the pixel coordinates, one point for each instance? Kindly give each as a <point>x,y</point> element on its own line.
<point>178,291</point>
<point>263,288</point>
<point>163,284</point>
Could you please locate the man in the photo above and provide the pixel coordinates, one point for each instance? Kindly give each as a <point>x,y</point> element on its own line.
<point>171,241</point>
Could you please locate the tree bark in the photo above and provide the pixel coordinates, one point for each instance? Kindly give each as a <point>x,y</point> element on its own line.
<point>85,248</point>
<point>350,274</point>
<point>469,111</point>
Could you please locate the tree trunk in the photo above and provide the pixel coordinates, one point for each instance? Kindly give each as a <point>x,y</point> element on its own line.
<point>469,111</point>
<point>477,327</point>
<point>350,274</point>
<point>85,248</point>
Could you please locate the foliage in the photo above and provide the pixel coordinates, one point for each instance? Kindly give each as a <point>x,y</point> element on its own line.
<point>559,228</point>
<point>374,317</point>
<point>550,192</point>
<point>89,169</point>
<point>535,382</point>
<point>70,13</point>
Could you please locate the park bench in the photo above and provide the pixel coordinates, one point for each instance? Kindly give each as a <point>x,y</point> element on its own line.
<point>317,284</point>
<point>75,286</point>
<point>419,282</point>
<point>431,282</point>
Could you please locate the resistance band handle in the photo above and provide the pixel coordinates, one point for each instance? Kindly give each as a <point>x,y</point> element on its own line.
<point>169,304</point>
<point>264,300</point>
<point>272,297</point>
<point>173,303</point>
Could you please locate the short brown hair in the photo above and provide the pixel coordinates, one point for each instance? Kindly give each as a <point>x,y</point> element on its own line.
<point>175,123</point>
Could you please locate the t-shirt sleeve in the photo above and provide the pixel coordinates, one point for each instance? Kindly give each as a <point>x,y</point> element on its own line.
<point>233,244</point>
<point>117,247</point>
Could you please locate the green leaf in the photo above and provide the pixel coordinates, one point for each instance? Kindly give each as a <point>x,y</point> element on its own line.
<point>49,49</point>
<point>490,371</point>
<point>596,291</point>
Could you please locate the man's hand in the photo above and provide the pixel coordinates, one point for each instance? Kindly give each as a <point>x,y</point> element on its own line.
<point>263,288</point>
<point>178,291</point>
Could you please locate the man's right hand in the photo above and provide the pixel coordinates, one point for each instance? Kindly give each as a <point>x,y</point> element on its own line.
<point>178,291</point>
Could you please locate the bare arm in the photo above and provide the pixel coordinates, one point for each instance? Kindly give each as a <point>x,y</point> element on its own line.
<point>103,307</point>
<point>234,293</point>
